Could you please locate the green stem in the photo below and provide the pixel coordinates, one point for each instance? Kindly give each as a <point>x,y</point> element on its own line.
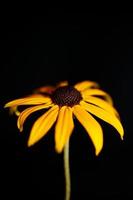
<point>67,171</point>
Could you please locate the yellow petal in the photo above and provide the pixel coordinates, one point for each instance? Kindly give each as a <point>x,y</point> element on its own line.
<point>62,83</point>
<point>91,125</point>
<point>64,127</point>
<point>13,110</point>
<point>23,116</point>
<point>105,116</point>
<point>102,104</point>
<point>42,125</point>
<point>45,89</point>
<point>85,85</point>
<point>97,92</point>
<point>32,100</point>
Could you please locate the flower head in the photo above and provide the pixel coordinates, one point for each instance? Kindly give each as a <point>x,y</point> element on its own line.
<point>62,102</point>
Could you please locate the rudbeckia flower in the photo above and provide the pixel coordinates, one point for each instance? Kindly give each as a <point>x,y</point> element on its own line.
<point>60,103</point>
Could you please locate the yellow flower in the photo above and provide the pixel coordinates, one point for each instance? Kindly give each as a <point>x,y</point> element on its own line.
<point>64,101</point>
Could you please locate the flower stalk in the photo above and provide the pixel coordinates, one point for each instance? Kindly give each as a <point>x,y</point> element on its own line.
<point>67,172</point>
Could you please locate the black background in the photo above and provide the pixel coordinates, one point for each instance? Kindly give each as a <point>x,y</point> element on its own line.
<point>40,49</point>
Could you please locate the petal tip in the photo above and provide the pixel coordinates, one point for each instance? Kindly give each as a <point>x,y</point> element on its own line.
<point>58,149</point>
<point>122,134</point>
<point>30,143</point>
<point>21,129</point>
<point>122,137</point>
<point>97,152</point>
<point>6,105</point>
<point>17,113</point>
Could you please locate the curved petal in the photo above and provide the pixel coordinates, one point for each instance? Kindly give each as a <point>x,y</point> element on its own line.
<point>85,85</point>
<point>42,125</point>
<point>64,127</point>
<point>35,95</point>
<point>31,100</point>
<point>62,84</point>
<point>23,115</point>
<point>14,110</point>
<point>102,104</point>
<point>97,92</point>
<point>91,125</point>
<point>45,89</point>
<point>105,116</point>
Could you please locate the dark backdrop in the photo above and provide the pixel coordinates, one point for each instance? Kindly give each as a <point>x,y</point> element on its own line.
<point>48,48</point>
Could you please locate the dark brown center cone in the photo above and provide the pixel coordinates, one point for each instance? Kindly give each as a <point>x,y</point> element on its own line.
<point>66,96</point>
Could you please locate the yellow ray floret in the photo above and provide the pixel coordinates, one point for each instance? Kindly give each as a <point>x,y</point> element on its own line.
<point>102,104</point>
<point>62,84</point>
<point>42,125</point>
<point>84,100</point>
<point>13,110</point>
<point>33,100</point>
<point>84,85</point>
<point>92,127</point>
<point>49,89</point>
<point>64,127</point>
<point>105,116</point>
<point>97,92</point>
<point>45,89</point>
<point>23,116</point>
